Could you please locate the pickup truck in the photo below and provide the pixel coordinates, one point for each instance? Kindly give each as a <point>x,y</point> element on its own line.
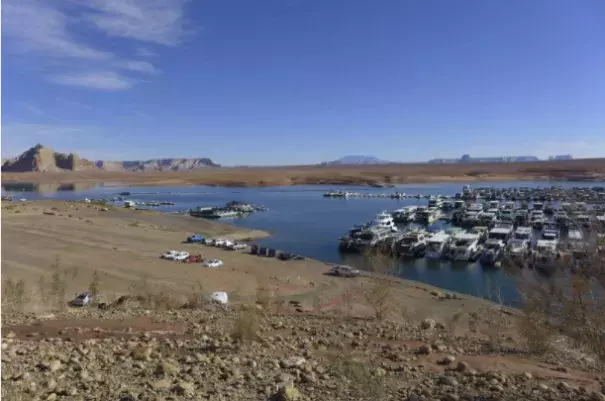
<point>196,238</point>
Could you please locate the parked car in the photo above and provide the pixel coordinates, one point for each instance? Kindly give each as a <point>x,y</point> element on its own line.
<point>194,259</point>
<point>181,256</point>
<point>344,271</point>
<point>196,239</point>
<point>169,255</point>
<point>214,263</point>
<point>84,299</point>
<point>220,297</point>
<point>238,246</point>
<point>227,243</point>
<point>216,242</point>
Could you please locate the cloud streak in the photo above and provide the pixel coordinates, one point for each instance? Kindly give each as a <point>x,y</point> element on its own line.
<point>51,31</point>
<point>154,21</point>
<point>108,81</point>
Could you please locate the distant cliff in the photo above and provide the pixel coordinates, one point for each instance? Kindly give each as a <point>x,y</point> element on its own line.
<point>157,165</point>
<point>502,159</point>
<point>44,159</point>
<point>355,160</point>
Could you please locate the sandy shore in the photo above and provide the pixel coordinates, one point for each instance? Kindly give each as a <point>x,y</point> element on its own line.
<point>123,246</point>
<point>582,169</point>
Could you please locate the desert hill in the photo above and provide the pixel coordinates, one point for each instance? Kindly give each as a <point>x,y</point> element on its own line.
<point>44,159</point>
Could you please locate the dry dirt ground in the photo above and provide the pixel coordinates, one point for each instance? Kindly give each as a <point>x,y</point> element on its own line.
<point>303,336</point>
<point>123,247</point>
<point>300,175</point>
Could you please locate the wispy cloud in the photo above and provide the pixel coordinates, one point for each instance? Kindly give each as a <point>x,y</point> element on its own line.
<point>95,80</point>
<point>74,103</point>
<point>52,31</point>
<point>140,66</point>
<point>155,21</point>
<point>38,112</point>
<point>144,52</point>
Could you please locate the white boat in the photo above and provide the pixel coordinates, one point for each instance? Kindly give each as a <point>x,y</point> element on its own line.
<point>545,255</point>
<point>494,204</point>
<point>438,245</point>
<point>429,215</point>
<point>492,251</point>
<point>502,232</point>
<point>470,218</point>
<point>537,219</point>
<point>575,242</point>
<point>412,243</point>
<point>506,215</point>
<point>522,234</point>
<point>418,215</point>
<point>517,249</point>
<point>405,214</point>
<point>549,234</point>
<point>383,220</point>
<point>487,218</point>
<point>583,220</point>
<point>475,207</point>
<point>435,201</point>
<point>465,246</point>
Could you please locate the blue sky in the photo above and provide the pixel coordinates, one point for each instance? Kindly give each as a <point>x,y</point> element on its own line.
<point>302,81</point>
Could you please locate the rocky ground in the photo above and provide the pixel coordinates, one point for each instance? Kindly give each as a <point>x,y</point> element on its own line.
<point>254,353</point>
<point>290,332</point>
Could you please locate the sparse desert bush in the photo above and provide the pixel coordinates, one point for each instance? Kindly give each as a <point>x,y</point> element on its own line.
<point>154,296</point>
<point>570,301</point>
<point>196,296</point>
<point>14,295</point>
<point>378,291</point>
<point>357,378</point>
<point>246,324</point>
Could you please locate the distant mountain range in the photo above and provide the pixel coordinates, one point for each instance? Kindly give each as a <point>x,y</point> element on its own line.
<point>44,159</point>
<point>502,159</point>
<point>356,160</point>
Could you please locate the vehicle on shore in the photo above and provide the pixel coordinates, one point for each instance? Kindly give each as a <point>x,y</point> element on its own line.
<point>196,239</point>
<point>169,254</point>
<point>214,263</point>
<point>344,271</point>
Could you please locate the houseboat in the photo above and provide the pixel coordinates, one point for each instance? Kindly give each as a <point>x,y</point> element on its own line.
<point>465,246</point>
<point>438,245</point>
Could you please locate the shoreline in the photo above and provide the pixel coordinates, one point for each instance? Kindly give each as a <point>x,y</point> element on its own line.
<point>77,184</point>
<point>80,231</point>
<point>588,170</point>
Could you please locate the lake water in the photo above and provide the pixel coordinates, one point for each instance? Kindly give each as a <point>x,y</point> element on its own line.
<point>303,221</point>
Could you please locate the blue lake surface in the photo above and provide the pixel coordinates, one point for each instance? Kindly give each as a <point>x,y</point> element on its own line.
<point>304,222</point>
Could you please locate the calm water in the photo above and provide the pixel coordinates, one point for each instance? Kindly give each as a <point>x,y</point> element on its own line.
<point>304,222</point>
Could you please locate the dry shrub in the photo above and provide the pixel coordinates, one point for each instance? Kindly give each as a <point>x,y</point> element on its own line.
<point>196,296</point>
<point>452,324</point>
<point>246,324</point>
<point>497,322</point>
<point>14,295</point>
<point>357,378</point>
<point>264,296</point>
<point>94,286</point>
<point>154,296</point>
<point>378,291</point>
<point>59,282</point>
<point>569,302</point>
